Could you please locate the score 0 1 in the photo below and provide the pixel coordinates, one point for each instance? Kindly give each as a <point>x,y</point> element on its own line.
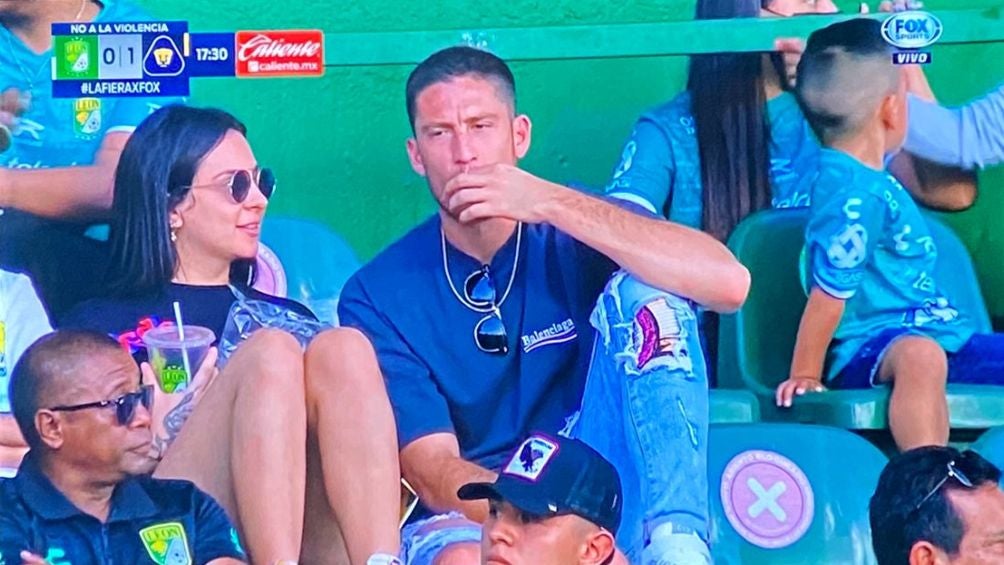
<point>121,56</point>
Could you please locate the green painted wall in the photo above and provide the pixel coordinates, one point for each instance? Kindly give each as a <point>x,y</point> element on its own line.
<point>338,142</point>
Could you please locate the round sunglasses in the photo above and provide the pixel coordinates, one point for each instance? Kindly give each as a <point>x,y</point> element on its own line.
<point>125,405</point>
<point>240,183</point>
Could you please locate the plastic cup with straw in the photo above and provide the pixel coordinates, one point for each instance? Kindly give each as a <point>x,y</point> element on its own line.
<point>173,351</point>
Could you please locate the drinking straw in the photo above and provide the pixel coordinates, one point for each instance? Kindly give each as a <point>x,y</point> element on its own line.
<point>181,337</point>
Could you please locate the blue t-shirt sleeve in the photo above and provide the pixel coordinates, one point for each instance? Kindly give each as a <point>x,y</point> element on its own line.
<point>841,237</point>
<point>419,407</point>
<point>644,173</point>
<point>215,536</point>
<point>969,136</point>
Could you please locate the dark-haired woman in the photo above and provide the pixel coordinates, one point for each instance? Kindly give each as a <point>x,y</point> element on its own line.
<point>733,143</point>
<point>273,438</point>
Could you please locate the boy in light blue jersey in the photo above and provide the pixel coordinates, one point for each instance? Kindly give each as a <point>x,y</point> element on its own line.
<point>736,142</point>
<point>56,175</point>
<point>875,314</point>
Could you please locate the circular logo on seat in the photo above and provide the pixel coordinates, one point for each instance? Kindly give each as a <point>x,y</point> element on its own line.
<point>767,498</point>
<point>271,277</point>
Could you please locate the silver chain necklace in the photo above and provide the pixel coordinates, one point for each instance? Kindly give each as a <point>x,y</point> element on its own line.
<point>512,276</point>
<point>28,77</point>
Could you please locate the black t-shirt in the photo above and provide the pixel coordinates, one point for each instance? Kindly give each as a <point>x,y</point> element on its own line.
<point>127,319</point>
<point>151,521</point>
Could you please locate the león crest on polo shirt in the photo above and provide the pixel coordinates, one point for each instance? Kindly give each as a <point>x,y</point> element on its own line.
<point>530,459</point>
<point>167,544</point>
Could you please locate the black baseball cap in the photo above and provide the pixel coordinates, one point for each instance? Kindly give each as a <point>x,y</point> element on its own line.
<point>551,476</point>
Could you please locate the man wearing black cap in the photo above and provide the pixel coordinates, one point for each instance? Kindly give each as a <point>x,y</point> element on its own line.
<point>557,501</point>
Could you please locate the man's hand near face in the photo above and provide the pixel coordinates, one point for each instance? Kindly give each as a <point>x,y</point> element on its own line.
<point>497,191</point>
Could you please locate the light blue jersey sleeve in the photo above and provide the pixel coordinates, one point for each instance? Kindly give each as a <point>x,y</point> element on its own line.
<point>969,136</point>
<point>645,169</point>
<point>841,238</point>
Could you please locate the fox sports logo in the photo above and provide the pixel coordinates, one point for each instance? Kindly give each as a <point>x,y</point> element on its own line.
<point>911,30</point>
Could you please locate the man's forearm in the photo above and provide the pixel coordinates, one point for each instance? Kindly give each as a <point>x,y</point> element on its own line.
<point>815,332</point>
<point>437,485</point>
<point>668,256</point>
<point>82,193</point>
<point>969,136</point>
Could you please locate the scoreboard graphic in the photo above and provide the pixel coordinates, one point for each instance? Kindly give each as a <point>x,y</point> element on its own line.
<point>102,59</point>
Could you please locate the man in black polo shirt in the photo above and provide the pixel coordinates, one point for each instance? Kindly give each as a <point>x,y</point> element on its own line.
<point>81,496</point>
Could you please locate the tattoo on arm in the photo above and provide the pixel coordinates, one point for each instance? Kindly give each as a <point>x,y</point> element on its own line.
<point>173,422</point>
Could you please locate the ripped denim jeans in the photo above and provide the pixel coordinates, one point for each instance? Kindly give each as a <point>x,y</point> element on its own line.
<point>645,408</point>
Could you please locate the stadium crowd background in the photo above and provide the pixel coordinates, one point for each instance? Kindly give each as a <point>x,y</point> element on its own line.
<point>350,172</point>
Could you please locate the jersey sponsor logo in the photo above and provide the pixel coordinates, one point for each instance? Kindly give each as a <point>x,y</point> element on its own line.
<point>531,458</point>
<point>849,247</point>
<point>558,332</point>
<point>86,117</point>
<point>627,159</point>
<point>851,208</point>
<point>689,124</point>
<point>935,311</point>
<point>28,127</point>
<point>166,544</point>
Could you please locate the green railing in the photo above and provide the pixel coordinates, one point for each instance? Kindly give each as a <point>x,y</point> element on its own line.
<point>626,40</point>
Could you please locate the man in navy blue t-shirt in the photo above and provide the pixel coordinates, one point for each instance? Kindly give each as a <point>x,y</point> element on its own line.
<point>81,496</point>
<point>480,317</point>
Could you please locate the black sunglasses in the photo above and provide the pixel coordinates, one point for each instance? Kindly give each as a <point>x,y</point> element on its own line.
<point>125,405</point>
<point>953,473</point>
<point>489,333</point>
<point>240,183</point>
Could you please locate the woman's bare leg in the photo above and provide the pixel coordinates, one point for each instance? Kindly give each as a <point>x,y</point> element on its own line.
<point>245,444</point>
<point>349,412</point>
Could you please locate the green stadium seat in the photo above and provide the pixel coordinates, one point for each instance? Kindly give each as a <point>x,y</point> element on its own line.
<point>755,344</point>
<point>777,497</point>
<point>991,446</point>
<point>315,262</point>
<point>733,407</point>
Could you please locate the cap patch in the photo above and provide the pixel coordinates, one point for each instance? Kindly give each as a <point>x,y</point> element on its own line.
<point>531,458</point>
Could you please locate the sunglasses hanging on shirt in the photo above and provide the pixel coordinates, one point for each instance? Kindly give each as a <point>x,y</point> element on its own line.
<point>480,296</point>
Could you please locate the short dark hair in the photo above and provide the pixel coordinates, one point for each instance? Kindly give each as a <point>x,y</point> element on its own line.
<point>454,62</point>
<point>40,368</point>
<point>896,521</point>
<point>153,176</point>
<point>844,73</point>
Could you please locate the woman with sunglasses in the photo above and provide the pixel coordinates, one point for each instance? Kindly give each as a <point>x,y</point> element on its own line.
<point>273,438</point>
